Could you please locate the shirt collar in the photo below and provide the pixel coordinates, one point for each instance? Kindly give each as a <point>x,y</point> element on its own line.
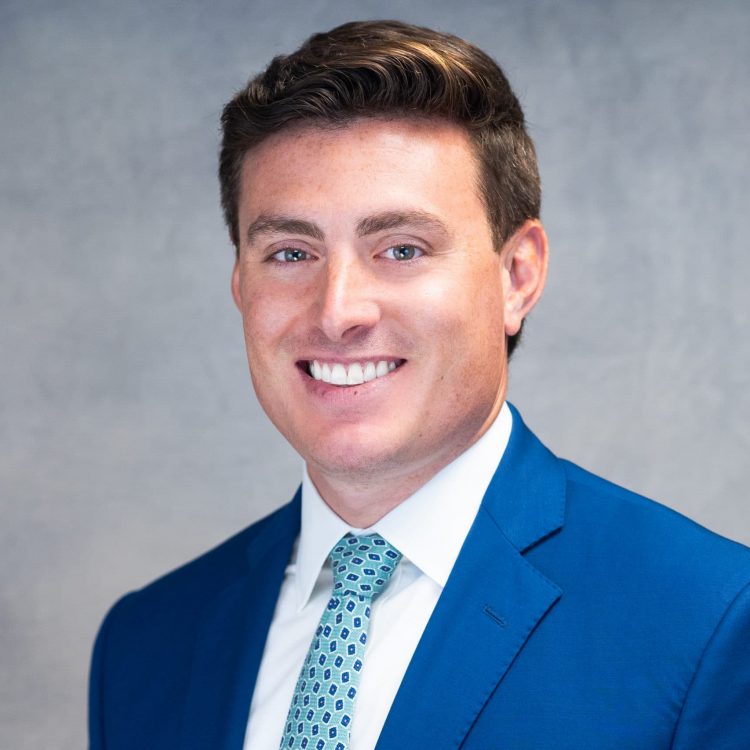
<point>428,528</point>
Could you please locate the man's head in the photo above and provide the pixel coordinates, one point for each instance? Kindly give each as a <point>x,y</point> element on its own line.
<point>378,276</point>
<point>391,69</point>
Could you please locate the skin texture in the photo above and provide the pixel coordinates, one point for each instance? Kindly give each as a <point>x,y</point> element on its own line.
<point>344,198</point>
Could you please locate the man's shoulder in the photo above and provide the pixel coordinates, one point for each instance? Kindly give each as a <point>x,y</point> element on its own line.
<point>146,649</point>
<point>188,587</point>
<point>648,541</point>
<point>607,530</point>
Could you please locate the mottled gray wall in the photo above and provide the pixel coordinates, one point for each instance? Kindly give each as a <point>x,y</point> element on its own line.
<point>130,438</point>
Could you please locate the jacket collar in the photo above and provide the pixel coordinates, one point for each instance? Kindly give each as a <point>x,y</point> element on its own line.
<point>526,497</point>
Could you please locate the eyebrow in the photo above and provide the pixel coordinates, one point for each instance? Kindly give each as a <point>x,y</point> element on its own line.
<point>266,224</point>
<point>396,219</point>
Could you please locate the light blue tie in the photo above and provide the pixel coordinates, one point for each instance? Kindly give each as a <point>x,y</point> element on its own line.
<point>322,707</point>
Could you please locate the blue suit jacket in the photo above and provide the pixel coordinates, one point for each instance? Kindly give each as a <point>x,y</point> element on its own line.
<point>578,615</point>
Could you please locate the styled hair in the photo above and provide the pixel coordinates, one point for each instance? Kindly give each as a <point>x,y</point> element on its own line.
<point>390,69</point>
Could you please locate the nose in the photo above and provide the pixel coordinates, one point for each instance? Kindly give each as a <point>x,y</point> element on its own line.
<point>347,301</point>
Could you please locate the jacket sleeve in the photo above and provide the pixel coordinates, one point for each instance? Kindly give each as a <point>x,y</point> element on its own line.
<point>716,710</point>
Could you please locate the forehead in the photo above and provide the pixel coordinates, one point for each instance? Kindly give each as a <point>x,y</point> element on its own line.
<point>367,164</point>
<point>376,132</point>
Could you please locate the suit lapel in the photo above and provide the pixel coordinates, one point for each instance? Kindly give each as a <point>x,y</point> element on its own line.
<point>490,606</point>
<point>232,637</point>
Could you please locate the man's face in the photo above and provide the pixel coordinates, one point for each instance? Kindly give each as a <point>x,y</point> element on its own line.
<point>367,250</point>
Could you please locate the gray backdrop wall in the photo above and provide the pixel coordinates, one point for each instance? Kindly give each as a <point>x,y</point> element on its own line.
<point>130,437</point>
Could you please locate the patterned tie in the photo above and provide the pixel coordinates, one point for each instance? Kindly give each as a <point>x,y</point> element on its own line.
<point>321,711</point>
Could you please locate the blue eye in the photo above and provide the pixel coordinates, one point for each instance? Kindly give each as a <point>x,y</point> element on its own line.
<point>404,252</point>
<point>290,255</point>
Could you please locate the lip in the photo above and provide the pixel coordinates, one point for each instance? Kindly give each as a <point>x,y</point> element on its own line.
<point>304,361</point>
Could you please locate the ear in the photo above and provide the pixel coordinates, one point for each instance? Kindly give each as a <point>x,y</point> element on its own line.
<point>236,295</point>
<point>524,257</point>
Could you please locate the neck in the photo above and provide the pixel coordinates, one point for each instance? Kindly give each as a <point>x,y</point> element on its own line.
<point>362,503</point>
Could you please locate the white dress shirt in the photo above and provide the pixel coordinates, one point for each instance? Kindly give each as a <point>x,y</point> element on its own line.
<point>429,529</point>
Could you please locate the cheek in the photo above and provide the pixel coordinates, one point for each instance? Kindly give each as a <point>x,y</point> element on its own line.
<point>266,316</point>
<point>479,346</point>
<point>467,310</point>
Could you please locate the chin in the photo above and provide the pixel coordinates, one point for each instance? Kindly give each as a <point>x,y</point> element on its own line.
<point>354,459</point>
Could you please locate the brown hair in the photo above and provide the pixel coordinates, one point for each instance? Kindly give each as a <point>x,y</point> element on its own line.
<point>377,68</point>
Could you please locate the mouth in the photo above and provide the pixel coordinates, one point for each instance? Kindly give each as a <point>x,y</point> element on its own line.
<point>346,374</point>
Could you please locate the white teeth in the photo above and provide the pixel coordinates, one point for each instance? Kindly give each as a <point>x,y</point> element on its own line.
<point>353,374</point>
<point>338,374</point>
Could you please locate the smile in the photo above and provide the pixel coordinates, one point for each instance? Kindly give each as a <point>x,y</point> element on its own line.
<point>354,373</point>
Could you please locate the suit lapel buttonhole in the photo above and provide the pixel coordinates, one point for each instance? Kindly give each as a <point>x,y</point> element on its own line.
<point>501,621</point>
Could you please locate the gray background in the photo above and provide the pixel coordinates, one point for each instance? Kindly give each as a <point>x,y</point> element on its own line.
<point>130,437</point>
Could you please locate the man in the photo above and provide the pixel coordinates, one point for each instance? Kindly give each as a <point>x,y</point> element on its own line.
<point>441,580</point>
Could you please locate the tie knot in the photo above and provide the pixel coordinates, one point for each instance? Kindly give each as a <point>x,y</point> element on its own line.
<point>363,565</point>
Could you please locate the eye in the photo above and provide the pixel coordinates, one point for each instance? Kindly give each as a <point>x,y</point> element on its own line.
<point>290,255</point>
<point>403,252</point>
